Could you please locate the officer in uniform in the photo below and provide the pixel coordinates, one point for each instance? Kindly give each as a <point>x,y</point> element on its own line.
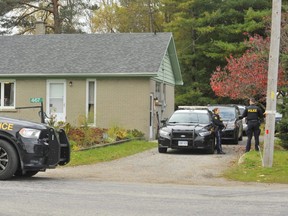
<point>253,116</point>
<point>218,128</point>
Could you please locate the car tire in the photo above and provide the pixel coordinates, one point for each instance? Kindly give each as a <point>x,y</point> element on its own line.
<point>162,150</point>
<point>8,160</point>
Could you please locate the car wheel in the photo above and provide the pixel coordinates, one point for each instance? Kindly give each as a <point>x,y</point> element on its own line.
<point>8,160</point>
<point>162,150</point>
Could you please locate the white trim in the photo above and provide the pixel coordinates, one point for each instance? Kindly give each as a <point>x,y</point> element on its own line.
<point>2,94</point>
<point>151,117</point>
<point>48,82</point>
<point>61,75</point>
<point>87,99</point>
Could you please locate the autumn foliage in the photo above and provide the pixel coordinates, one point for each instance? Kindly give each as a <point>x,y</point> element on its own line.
<point>247,75</point>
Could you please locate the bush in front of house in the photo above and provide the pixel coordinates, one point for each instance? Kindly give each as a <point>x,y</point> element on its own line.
<point>85,137</point>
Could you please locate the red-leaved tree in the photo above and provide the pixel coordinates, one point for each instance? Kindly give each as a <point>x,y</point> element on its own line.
<point>247,75</point>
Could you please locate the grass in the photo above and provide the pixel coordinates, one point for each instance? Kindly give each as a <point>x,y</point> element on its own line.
<point>109,153</point>
<point>251,169</point>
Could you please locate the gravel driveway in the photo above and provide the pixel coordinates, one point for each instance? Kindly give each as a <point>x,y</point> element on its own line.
<point>174,167</point>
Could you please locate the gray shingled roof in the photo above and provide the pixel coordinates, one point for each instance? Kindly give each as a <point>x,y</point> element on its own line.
<point>83,54</point>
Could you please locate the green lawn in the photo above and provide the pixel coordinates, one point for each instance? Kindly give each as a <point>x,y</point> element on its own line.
<point>251,169</point>
<point>109,153</point>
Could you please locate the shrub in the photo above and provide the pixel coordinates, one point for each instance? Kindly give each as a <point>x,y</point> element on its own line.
<point>85,137</point>
<point>135,133</point>
<point>282,126</point>
<point>116,133</point>
<point>282,129</point>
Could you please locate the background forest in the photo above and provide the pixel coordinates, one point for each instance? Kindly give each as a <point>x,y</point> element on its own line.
<point>222,45</point>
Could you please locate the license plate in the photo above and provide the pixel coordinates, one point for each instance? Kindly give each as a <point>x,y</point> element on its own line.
<point>182,143</point>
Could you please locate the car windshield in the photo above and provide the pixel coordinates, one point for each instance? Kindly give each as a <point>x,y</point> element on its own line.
<point>200,118</point>
<point>227,113</point>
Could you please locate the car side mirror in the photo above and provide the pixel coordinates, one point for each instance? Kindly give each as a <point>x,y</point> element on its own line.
<point>164,121</point>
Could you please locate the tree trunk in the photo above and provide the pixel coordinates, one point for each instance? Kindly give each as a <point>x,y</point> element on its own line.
<point>57,21</point>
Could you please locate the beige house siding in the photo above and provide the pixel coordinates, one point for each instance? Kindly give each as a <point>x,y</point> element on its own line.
<point>26,89</point>
<point>123,103</point>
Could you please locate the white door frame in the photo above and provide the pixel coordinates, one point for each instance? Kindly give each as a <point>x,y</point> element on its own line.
<point>59,116</point>
<point>151,118</point>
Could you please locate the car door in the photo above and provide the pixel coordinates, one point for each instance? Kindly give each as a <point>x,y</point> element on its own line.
<point>239,123</point>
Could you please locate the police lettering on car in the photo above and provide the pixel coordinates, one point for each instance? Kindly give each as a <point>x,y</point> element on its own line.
<point>6,126</point>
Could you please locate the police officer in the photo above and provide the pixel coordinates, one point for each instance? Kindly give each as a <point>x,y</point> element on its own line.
<point>253,116</point>
<point>218,128</point>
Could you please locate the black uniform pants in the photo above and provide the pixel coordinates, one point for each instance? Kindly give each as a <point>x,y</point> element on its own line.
<point>253,129</point>
<point>218,141</point>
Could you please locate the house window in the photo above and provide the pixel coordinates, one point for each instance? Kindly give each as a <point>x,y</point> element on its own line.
<point>7,94</point>
<point>91,102</point>
<point>158,91</point>
<point>164,94</point>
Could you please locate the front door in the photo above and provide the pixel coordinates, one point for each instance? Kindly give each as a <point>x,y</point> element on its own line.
<point>56,99</point>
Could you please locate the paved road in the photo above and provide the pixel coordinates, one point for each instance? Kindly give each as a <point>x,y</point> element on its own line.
<point>48,197</point>
<point>144,184</point>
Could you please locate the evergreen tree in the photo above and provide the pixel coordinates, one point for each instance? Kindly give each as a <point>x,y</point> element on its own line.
<point>206,32</point>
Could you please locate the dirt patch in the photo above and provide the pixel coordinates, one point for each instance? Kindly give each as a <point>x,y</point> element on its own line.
<point>176,167</point>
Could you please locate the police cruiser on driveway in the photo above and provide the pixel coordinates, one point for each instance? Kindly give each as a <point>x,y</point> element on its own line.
<point>190,127</point>
<point>27,148</point>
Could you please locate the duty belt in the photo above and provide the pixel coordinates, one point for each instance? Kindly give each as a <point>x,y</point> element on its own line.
<point>253,120</point>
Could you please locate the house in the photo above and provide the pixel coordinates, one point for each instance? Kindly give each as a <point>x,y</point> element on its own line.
<point>106,80</point>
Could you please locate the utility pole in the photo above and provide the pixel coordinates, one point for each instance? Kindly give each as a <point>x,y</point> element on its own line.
<point>272,84</point>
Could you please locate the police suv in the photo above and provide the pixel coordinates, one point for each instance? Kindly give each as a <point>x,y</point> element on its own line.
<point>27,148</point>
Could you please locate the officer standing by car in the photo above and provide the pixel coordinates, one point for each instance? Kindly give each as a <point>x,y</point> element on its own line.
<point>253,115</point>
<point>218,128</point>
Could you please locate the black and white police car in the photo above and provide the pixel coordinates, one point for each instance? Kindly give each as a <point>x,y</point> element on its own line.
<point>189,127</point>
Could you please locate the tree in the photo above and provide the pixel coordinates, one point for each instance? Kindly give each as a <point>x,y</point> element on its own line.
<point>207,32</point>
<point>59,15</point>
<point>104,19</point>
<point>128,16</point>
<point>245,76</point>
